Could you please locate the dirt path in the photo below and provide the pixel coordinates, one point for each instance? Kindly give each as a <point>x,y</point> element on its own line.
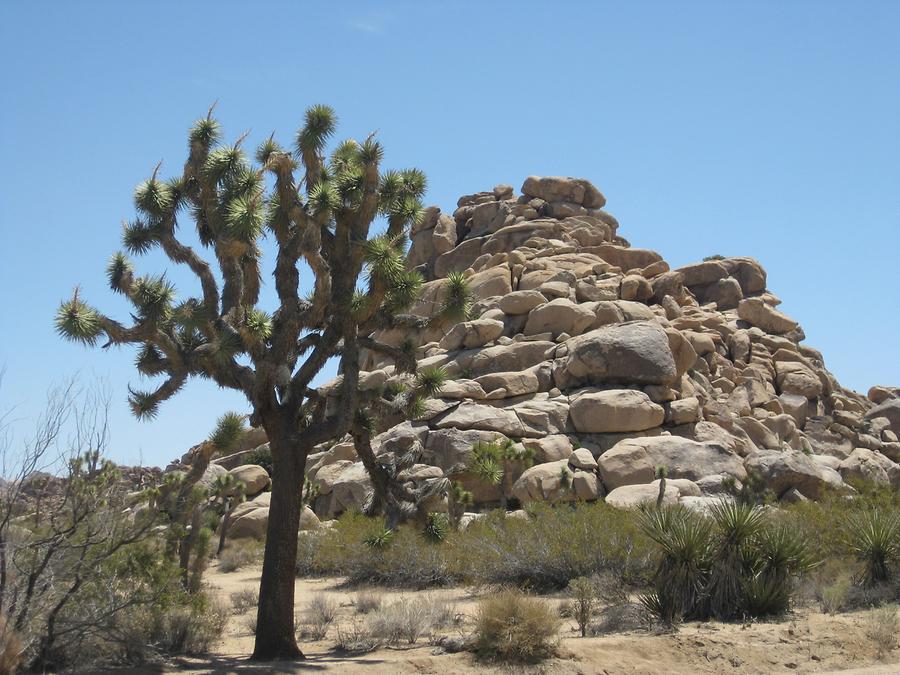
<point>806,642</point>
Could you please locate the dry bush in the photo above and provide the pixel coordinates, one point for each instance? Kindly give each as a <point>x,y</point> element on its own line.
<point>882,626</point>
<point>835,594</point>
<point>408,619</point>
<point>514,627</point>
<point>317,617</point>
<point>621,617</point>
<point>355,638</point>
<point>243,601</point>
<point>583,592</point>
<point>367,601</point>
<point>190,630</point>
<point>239,554</point>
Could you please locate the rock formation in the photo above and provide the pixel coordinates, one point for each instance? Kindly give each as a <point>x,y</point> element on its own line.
<point>607,364</point>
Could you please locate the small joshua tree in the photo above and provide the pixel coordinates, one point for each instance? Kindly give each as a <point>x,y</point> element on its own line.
<point>321,212</point>
<point>494,463</point>
<point>661,473</point>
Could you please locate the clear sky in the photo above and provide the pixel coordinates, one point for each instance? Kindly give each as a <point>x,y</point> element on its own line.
<point>767,129</point>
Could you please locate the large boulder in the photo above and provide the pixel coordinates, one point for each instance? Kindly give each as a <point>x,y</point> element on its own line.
<point>559,189</point>
<point>632,496</point>
<point>559,316</point>
<point>551,482</point>
<point>636,352</point>
<point>471,334</point>
<point>520,302</point>
<point>870,466</point>
<point>682,457</point>
<point>614,410</point>
<point>782,470</point>
<point>890,409</point>
<point>625,464</point>
<point>757,313</point>
<point>254,477</point>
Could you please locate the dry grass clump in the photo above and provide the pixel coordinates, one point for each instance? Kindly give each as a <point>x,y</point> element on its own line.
<point>882,627</point>
<point>190,630</point>
<point>239,554</point>
<point>408,619</point>
<point>514,627</point>
<point>318,617</point>
<point>242,601</point>
<point>354,637</point>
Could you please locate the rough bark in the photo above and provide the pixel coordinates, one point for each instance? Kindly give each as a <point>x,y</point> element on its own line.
<point>275,637</point>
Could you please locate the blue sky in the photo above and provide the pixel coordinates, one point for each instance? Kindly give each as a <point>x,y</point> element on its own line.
<point>767,129</point>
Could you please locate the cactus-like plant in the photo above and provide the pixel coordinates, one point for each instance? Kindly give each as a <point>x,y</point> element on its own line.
<point>320,211</point>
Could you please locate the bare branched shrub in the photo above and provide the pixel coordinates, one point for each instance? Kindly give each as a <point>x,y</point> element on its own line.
<point>511,626</point>
<point>882,627</point>
<point>367,601</point>
<point>243,601</point>
<point>834,595</point>
<point>318,617</point>
<point>354,637</point>
<point>583,603</point>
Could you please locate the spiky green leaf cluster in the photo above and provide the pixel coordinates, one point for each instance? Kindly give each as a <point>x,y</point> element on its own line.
<point>205,132</point>
<point>191,314</point>
<point>324,198</point>
<point>430,380</point>
<point>143,404</point>
<point>457,300</point>
<point>228,431</point>
<point>267,149</point>
<point>154,198</point>
<point>119,272</point>
<point>78,322</point>
<point>258,324</point>
<point>244,218</point>
<point>437,527</point>
<point>224,163</point>
<point>150,361</point>
<point>319,126</point>
<point>153,295</point>
<point>138,237</point>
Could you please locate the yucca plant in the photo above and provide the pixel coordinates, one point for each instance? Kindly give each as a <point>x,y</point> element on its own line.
<point>685,541</point>
<point>873,536</point>
<point>494,463</point>
<point>732,562</point>
<point>779,554</point>
<point>341,216</point>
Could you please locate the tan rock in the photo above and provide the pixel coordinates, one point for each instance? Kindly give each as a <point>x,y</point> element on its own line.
<point>757,313</point>
<point>254,477</point>
<point>632,496</point>
<point>559,316</point>
<point>615,410</point>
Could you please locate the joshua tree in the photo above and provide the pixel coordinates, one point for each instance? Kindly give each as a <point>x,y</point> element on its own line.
<point>325,218</point>
<point>494,463</point>
<point>661,473</point>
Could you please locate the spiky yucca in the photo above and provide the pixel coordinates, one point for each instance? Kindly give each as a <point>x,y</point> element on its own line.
<point>495,462</point>
<point>320,211</point>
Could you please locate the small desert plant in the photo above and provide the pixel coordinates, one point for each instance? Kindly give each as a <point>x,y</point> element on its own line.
<point>406,619</point>
<point>882,627</point>
<point>584,600</point>
<point>238,555</point>
<point>437,527</point>
<point>367,601</point>
<point>493,463</point>
<point>834,595</point>
<point>511,626</point>
<point>873,536</point>
<point>317,618</point>
<point>354,638</point>
<point>380,539</point>
<point>243,601</point>
<point>190,630</point>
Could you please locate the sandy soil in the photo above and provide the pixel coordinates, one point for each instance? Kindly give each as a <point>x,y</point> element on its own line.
<point>805,642</point>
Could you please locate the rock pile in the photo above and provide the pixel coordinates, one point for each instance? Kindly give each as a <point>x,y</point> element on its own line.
<point>606,364</point>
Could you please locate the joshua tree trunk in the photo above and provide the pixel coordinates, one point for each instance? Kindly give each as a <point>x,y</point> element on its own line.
<point>275,638</point>
<point>226,521</point>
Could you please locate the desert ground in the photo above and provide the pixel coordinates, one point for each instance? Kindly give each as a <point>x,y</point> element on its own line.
<point>806,641</point>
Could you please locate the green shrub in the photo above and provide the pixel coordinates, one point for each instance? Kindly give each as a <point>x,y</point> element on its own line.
<point>514,627</point>
<point>583,592</point>
<point>735,562</point>
<point>261,456</point>
<point>191,629</point>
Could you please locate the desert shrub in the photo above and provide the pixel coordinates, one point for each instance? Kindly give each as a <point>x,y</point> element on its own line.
<point>368,601</point>
<point>583,592</point>
<point>243,601</point>
<point>834,595</point>
<point>408,619</point>
<point>354,637</point>
<point>239,554</point>
<point>555,545</point>
<point>873,536</point>
<point>514,627</point>
<point>318,617</point>
<point>882,626</point>
<point>735,562</point>
<point>261,456</point>
<point>620,617</point>
<point>190,629</point>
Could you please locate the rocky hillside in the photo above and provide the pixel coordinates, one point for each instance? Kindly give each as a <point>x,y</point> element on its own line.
<point>606,364</point>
